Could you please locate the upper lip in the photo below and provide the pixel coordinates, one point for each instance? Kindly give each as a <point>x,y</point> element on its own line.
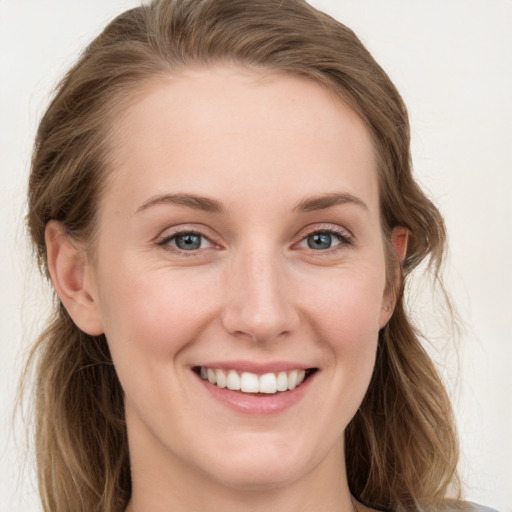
<point>255,367</point>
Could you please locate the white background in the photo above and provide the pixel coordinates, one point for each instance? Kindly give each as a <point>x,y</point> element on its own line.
<point>452,62</point>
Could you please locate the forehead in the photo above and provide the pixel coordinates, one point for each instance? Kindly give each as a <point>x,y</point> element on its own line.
<point>234,129</point>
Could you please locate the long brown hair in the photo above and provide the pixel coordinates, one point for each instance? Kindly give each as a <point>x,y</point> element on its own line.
<point>401,447</point>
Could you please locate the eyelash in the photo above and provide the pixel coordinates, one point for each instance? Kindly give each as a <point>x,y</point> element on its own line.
<point>164,243</point>
<point>344,238</point>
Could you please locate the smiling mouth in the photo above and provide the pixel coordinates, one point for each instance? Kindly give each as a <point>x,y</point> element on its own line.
<point>247,382</point>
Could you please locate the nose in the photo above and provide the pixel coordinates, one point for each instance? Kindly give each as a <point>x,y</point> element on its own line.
<point>259,297</point>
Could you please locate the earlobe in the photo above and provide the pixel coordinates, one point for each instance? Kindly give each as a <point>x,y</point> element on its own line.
<point>69,272</point>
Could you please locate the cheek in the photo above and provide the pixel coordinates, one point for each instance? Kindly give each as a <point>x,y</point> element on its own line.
<point>349,302</point>
<point>150,320</point>
<point>345,314</point>
<point>154,312</point>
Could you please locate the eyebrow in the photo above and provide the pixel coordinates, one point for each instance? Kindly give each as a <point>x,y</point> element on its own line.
<point>325,201</point>
<point>209,205</point>
<point>193,201</point>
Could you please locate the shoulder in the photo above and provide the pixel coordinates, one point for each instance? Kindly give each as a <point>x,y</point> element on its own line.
<point>463,506</point>
<point>480,508</point>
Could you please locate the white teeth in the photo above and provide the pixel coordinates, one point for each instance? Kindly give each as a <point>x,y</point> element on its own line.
<point>268,383</point>
<point>292,379</point>
<point>233,381</point>
<point>221,378</point>
<point>211,376</point>
<point>282,381</point>
<point>249,382</point>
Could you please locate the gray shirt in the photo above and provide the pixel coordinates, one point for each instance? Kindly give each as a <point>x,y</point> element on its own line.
<point>481,508</point>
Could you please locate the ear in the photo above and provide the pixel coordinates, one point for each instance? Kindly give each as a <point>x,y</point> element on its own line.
<point>399,240</point>
<point>72,278</point>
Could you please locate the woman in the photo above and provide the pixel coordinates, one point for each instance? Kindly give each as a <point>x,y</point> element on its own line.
<point>222,196</point>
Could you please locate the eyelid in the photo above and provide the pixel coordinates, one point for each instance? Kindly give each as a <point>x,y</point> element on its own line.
<point>162,240</point>
<point>344,235</point>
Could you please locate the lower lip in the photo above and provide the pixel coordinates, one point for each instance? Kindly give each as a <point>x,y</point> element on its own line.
<point>257,404</point>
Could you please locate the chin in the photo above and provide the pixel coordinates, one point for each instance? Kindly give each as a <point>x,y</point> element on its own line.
<point>266,467</point>
<point>260,477</point>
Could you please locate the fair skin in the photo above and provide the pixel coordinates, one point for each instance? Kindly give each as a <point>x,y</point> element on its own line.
<point>240,232</point>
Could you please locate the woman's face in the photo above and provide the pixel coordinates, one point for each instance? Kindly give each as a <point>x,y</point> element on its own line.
<point>239,238</point>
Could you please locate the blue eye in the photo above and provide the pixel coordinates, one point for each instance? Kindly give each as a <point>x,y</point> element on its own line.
<point>186,241</point>
<point>324,240</point>
<point>319,241</point>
